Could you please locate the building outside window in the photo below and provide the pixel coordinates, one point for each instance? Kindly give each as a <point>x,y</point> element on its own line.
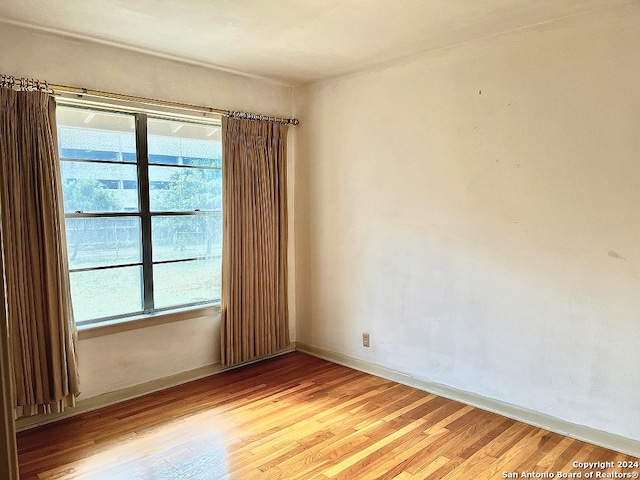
<point>143,207</point>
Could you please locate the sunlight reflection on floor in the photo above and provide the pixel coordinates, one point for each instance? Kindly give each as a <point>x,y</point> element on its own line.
<point>193,447</point>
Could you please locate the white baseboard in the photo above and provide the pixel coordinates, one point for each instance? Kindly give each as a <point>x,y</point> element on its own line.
<point>111,398</point>
<point>537,419</point>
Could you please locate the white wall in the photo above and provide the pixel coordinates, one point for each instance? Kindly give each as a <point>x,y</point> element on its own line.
<point>78,63</point>
<point>125,359</point>
<point>477,210</point>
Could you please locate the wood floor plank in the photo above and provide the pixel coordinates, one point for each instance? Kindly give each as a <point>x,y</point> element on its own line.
<point>392,458</point>
<point>294,417</point>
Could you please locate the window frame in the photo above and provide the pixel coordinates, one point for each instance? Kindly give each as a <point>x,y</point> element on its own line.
<point>144,212</point>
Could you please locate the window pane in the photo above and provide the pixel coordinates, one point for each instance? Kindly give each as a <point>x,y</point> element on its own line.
<point>100,175</point>
<point>186,236</point>
<point>94,135</point>
<point>99,187</point>
<point>187,282</point>
<point>185,189</point>
<point>96,242</point>
<point>104,293</point>
<point>182,143</point>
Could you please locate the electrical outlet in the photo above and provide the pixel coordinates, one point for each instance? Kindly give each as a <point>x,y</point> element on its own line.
<point>366,340</point>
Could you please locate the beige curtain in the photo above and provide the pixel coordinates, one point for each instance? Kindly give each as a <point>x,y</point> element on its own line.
<point>255,319</point>
<point>41,326</point>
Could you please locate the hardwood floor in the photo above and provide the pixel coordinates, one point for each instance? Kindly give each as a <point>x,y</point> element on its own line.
<point>297,417</point>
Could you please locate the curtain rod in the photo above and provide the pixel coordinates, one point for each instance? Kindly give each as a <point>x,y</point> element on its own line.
<point>7,81</point>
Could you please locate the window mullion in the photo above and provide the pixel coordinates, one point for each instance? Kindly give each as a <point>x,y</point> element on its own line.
<point>145,213</point>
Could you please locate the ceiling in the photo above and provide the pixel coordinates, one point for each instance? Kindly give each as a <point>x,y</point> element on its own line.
<point>290,41</point>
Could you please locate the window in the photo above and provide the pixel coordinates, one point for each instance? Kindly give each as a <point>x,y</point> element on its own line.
<point>143,208</point>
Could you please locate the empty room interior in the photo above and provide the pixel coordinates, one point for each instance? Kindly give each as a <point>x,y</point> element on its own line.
<point>320,239</point>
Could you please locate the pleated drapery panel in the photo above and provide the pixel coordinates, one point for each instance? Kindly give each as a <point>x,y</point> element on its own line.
<point>255,320</point>
<point>41,327</point>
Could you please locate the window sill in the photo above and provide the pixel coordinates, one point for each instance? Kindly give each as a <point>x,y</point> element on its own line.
<point>110,327</point>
